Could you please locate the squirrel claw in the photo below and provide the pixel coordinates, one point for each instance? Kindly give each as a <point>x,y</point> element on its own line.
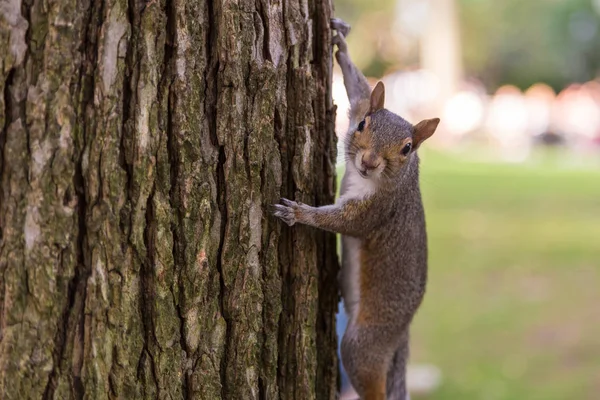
<point>285,212</point>
<point>288,203</point>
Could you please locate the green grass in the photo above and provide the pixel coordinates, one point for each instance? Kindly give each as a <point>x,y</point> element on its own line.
<point>513,303</point>
<point>512,309</point>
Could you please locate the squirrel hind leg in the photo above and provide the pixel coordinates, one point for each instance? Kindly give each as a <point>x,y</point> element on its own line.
<point>396,377</point>
<point>366,359</point>
<point>375,391</point>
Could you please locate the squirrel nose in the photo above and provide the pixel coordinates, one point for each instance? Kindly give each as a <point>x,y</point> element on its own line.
<point>368,161</point>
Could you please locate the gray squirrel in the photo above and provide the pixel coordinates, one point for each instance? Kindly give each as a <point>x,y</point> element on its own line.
<point>384,241</point>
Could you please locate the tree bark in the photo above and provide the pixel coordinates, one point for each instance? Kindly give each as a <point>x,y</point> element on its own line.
<point>141,146</point>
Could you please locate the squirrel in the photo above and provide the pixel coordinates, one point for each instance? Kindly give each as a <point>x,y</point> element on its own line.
<point>384,242</point>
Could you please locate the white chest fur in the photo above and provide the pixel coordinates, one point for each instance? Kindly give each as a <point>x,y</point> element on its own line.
<point>355,186</point>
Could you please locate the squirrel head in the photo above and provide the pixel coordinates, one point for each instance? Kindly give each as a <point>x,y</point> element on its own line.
<point>382,143</point>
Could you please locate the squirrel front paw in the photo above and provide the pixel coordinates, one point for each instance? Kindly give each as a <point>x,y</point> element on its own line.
<point>287,211</point>
<point>342,29</point>
<point>340,26</point>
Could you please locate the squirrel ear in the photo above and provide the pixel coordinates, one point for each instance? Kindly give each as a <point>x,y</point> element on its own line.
<point>377,97</point>
<point>424,130</point>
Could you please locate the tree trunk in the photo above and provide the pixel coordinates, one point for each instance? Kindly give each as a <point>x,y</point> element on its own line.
<point>141,146</point>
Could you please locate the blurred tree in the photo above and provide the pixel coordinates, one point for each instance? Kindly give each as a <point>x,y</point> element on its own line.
<point>509,41</point>
<point>371,42</point>
<point>524,42</point>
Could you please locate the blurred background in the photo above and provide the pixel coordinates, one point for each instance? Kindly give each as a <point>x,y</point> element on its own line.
<point>511,186</point>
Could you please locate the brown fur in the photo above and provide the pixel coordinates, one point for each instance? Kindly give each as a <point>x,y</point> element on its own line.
<point>375,390</point>
<point>364,139</point>
<point>366,315</point>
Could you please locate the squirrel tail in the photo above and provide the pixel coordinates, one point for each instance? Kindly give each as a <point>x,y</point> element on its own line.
<point>396,378</point>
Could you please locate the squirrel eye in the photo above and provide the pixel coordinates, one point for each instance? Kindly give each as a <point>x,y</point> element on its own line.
<point>406,149</point>
<point>361,126</point>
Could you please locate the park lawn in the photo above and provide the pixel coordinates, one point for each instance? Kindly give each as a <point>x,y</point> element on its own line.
<point>512,309</point>
<point>513,303</point>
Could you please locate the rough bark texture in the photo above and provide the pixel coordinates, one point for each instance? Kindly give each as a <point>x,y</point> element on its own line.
<point>141,145</point>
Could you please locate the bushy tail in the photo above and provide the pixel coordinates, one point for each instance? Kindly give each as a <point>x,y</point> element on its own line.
<point>396,378</point>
